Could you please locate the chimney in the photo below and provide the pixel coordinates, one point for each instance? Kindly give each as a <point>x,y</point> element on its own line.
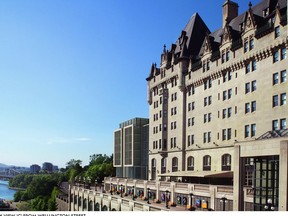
<point>230,11</point>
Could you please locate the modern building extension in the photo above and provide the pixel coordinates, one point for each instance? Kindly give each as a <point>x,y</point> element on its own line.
<point>218,106</point>
<point>131,149</point>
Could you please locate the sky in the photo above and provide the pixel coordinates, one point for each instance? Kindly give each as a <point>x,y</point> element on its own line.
<point>72,70</point>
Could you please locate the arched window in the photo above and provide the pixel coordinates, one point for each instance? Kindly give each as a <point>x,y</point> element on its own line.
<point>226,162</point>
<point>190,163</point>
<point>153,162</point>
<point>174,164</point>
<point>207,163</point>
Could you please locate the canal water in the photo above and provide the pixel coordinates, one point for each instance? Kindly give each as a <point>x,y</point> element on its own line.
<point>5,192</point>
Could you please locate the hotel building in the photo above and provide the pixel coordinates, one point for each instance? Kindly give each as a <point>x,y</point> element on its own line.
<point>218,106</point>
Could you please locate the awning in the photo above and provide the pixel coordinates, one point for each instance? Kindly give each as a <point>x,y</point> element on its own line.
<point>214,174</point>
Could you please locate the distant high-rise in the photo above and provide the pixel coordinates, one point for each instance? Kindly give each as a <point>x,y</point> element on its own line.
<point>47,166</point>
<point>35,168</point>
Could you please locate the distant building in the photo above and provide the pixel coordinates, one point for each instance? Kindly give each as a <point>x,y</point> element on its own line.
<point>47,167</point>
<point>131,142</point>
<point>55,168</point>
<point>35,168</point>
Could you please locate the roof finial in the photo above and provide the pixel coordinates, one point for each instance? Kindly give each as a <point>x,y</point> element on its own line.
<point>250,5</point>
<point>164,50</point>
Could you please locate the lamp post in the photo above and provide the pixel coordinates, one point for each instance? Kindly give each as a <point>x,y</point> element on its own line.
<point>269,206</point>
<point>133,198</point>
<point>121,190</point>
<point>148,195</point>
<point>224,201</point>
<point>191,196</point>
<point>167,193</point>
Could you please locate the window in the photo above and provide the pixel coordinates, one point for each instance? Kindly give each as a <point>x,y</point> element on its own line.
<point>275,78</point>
<point>283,124</point>
<point>254,65</point>
<point>251,44</point>
<point>283,76</point>
<point>209,137</point>
<point>224,95</point>
<point>190,163</point>
<point>224,135</point>
<point>276,56</point>
<point>247,88</point>
<point>209,100</point>
<point>275,125</point>
<point>247,68</point>
<point>229,75</point>
<point>275,100</point>
<point>253,130</point>
<point>277,31</point>
<point>223,57</point>
<point>247,107</point>
<point>205,137</point>
<point>283,53</point>
<point>205,118</point>
<point>283,99</point>
<point>229,93</point>
<point>207,163</point>
<point>227,56</point>
<point>247,131</point>
<point>253,106</point>
<point>174,164</point>
<point>226,162</point>
<point>225,77</point>
<point>254,85</point>
<point>205,101</point>
<point>224,112</point>
<point>229,112</point>
<point>246,46</point>
<point>229,133</point>
<point>209,117</point>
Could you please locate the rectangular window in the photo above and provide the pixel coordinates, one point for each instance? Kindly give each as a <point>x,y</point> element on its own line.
<point>283,76</point>
<point>283,123</point>
<point>277,31</point>
<point>246,46</point>
<point>247,68</point>
<point>225,76</point>
<point>223,57</point>
<point>229,133</point>
<point>192,139</point>
<point>251,44</point>
<point>229,112</point>
<point>224,134</point>
<point>283,99</point>
<point>253,130</point>
<point>247,107</point>
<point>275,100</point>
<point>254,65</point>
<point>227,56</point>
<point>224,95</point>
<point>204,137</point>
<point>209,117</point>
<point>253,106</point>
<point>224,113</point>
<point>205,118</point>
<point>209,100</point>
<point>229,75</point>
<point>254,85</point>
<point>276,56</point>
<point>247,88</point>
<point>209,137</point>
<point>247,131</point>
<point>275,78</point>
<point>205,101</point>
<point>283,53</point>
<point>229,93</point>
<point>275,125</point>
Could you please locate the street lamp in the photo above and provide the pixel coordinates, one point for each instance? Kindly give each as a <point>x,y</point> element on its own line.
<point>269,206</point>
<point>191,196</point>
<point>121,190</point>
<point>167,193</point>
<point>148,195</point>
<point>223,200</point>
<point>133,198</point>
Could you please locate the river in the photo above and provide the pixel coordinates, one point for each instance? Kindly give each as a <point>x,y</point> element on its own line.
<point>5,192</point>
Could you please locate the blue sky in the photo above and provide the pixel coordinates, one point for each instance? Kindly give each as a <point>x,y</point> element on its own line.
<point>71,70</point>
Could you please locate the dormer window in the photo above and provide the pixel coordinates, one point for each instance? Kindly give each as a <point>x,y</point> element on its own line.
<point>266,12</point>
